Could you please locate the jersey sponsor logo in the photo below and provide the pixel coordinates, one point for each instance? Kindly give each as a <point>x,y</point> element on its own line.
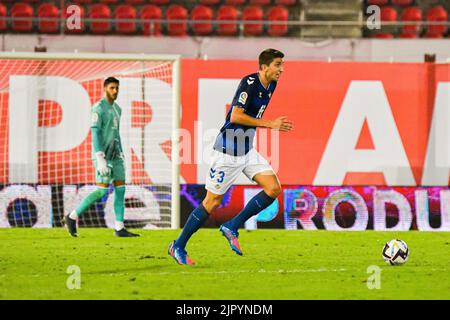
<point>243,97</point>
<point>94,117</point>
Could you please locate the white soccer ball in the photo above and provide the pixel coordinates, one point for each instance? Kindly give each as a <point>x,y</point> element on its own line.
<point>395,252</point>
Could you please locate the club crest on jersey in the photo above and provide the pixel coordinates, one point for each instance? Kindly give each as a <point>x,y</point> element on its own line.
<point>250,80</point>
<point>94,118</point>
<point>243,97</point>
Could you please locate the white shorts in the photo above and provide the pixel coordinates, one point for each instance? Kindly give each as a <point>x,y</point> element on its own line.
<point>225,169</point>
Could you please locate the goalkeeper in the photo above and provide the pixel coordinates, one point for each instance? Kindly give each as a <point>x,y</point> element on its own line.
<point>108,159</point>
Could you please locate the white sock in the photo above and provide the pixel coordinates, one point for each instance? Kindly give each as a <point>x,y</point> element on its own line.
<point>73,215</point>
<point>118,225</point>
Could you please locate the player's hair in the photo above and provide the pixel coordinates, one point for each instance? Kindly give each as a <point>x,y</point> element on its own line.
<point>267,56</point>
<point>110,80</point>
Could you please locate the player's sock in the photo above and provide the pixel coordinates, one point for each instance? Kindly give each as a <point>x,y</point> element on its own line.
<point>119,205</point>
<point>119,225</point>
<point>73,215</point>
<point>194,222</point>
<point>254,206</point>
<point>90,199</point>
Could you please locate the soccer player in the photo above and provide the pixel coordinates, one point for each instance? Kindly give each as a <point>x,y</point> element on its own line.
<point>108,159</point>
<point>233,153</point>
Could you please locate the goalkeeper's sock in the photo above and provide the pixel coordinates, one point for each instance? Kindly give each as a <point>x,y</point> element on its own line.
<point>257,204</point>
<point>194,222</point>
<point>118,225</point>
<point>90,199</point>
<point>119,206</point>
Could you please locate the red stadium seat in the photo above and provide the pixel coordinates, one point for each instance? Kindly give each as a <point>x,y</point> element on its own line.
<point>177,12</point>
<point>202,12</point>
<point>377,2</point>
<point>436,14</point>
<point>228,13</point>
<point>151,12</point>
<point>3,14</point>
<point>72,28</point>
<point>286,2</point>
<point>279,14</point>
<point>108,1</point>
<point>403,3</point>
<point>253,13</point>
<point>409,35</point>
<point>209,2</point>
<point>125,11</point>
<point>388,14</point>
<point>48,10</point>
<point>260,2</point>
<point>100,11</point>
<point>411,14</point>
<point>235,2</point>
<point>22,10</point>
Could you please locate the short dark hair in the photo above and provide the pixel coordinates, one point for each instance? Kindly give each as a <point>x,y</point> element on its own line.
<point>110,80</point>
<point>267,56</point>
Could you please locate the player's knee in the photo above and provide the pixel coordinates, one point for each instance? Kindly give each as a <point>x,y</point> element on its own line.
<point>101,192</point>
<point>211,203</point>
<point>273,191</point>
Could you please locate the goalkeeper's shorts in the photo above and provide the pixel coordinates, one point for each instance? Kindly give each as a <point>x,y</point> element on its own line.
<point>116,172</point>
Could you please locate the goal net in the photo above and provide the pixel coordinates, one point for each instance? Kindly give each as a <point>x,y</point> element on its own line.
<point>45,138</point>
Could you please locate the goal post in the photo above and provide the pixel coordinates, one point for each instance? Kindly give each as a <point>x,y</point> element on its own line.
<point>46,164</point>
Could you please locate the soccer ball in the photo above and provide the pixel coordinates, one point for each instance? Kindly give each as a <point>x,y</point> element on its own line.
<point>395,252</point>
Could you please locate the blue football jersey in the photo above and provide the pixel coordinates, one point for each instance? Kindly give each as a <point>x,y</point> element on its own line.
<point>235,139</point>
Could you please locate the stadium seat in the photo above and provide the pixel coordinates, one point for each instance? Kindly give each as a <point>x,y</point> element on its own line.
<point>209,2</point>
<point>436,14</point>
<point>3,14</point>
<point>377,2</point>
<point>100,11</point>
<point>83,1</point>
<point>202,12</point>
<point>48,10</point>
<point>253,13</point>
<point>177,12</point>
<point>69,29</point>
<point>285,2</point>
<point>229,13</point>
<point>22,10</point>
<point>403,3</point>
<point>280,14</point>
<point>411,14</point>
<point>125,11</point>
<point>150,12</point>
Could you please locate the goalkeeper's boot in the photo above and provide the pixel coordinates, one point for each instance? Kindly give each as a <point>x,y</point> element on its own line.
<point>124,233</point>
<point>71,226</point>
<point>232,237</point>
<point>179,254</point>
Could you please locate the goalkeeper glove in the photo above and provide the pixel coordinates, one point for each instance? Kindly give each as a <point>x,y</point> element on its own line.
<point>101,164</point>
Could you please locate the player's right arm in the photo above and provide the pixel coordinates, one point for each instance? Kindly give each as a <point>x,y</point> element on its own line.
<point>97,141</point>
<point>238,116</point>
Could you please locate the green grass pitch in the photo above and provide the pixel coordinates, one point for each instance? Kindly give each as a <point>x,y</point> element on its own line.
<point>277,264</point>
